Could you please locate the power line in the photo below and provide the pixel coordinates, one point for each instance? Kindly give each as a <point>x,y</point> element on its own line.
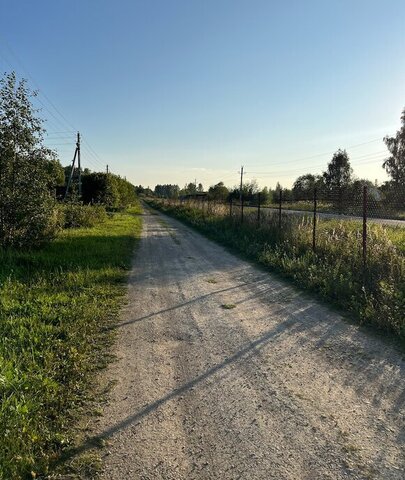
<point>37,85</point>
<point>323,154</point>
<point>368,155</point>
<point>94,156</point>
<point>62,120</point>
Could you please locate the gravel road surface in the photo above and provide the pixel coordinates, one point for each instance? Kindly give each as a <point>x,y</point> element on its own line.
<point>225,372</point>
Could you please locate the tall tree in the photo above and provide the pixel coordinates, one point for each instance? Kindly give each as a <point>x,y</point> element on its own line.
<point>27,169</point>
<point>338,178</point>
<point>395,164</point>
<point>339,172</point>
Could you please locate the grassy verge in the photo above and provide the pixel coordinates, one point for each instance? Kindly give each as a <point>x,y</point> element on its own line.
<point>55,304</point>
<point>375,296</point>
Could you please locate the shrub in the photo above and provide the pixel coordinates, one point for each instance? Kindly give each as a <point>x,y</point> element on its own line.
<point>27,171</point>
<point>76,215</point>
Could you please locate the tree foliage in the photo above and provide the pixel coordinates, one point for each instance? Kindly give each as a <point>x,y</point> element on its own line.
<point>28,170</point>
<point>249,190</point>
<point>189,189</point>
<point>167,191</point>
<point>339,172</point>
<point>304,186</point>
<point>218,192</point>
<point>107,189</point>
<point>395,164</point>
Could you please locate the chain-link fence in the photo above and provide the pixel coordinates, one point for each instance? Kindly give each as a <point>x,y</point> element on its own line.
<point>347,247</point>
<point>303,213</point>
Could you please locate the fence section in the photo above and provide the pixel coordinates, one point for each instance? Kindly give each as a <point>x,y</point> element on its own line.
<point>307,217</point>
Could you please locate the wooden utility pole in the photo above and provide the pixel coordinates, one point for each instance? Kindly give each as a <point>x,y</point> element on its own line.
<point>241,184</point>
<point>72,169</point>
<point>79,164</point>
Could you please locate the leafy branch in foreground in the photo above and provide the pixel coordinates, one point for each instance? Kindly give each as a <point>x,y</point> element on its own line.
<point>28,170</point>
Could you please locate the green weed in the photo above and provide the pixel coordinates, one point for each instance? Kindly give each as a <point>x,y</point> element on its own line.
<point>228,306</point>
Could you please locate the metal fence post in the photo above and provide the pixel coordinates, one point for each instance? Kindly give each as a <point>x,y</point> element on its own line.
<point>314,222</point>
<point>241,211</point>
<point>258,209</point>
<point>364,228</point>
<point>279,208</point>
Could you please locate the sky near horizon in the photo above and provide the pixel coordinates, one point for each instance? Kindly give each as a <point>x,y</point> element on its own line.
<point>168,91</point>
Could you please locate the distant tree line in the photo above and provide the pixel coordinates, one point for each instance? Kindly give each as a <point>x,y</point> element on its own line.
<point>336,185</point>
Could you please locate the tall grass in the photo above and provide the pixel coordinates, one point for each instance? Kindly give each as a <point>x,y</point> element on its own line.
<point>375,295</point>
<point>54,306</point>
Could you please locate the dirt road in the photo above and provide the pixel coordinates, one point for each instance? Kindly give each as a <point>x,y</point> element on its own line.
<point>276,387</point>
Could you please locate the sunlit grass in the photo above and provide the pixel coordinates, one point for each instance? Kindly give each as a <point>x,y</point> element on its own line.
<point>54,306</point>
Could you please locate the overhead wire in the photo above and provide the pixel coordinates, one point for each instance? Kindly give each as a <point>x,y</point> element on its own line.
<point>61,121</point>
<point>373,155</point>
<point>323,154</point>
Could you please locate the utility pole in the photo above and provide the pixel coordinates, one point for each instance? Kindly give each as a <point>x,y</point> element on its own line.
<point>107,168</point>
<point>79,164</point>
<point>241,184</point>
<point>72,168</point>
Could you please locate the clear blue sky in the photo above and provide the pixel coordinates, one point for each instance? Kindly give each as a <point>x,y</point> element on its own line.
<point>167,91</point>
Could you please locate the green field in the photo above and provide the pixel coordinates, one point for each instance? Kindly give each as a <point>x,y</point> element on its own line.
<point>374,294</point>
<point>55,305</point>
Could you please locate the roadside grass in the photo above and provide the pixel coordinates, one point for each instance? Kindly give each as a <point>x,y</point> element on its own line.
<point>335,272</point>
<point>135,209</point>
<point>55,308</point>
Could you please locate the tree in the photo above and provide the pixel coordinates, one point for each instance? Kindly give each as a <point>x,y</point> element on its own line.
<point>107,189</point>
<point>190,188</point>
<point>286,194</point>
<point>304,186</point>
<point>27,170</point>
<point>265,195</point>
<point>339,172</point>
<point>167,191</point>
<point>276,193</point>
<point>338,178</point>
<point>395,164</point>
<point>200,188</point>
<point>55,171</point>
<point>218,192</point>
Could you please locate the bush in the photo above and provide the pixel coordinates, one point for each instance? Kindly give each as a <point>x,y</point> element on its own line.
<point>76,215</point>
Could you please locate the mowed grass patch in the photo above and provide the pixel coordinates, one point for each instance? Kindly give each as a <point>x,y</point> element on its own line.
<point>55,305</point>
